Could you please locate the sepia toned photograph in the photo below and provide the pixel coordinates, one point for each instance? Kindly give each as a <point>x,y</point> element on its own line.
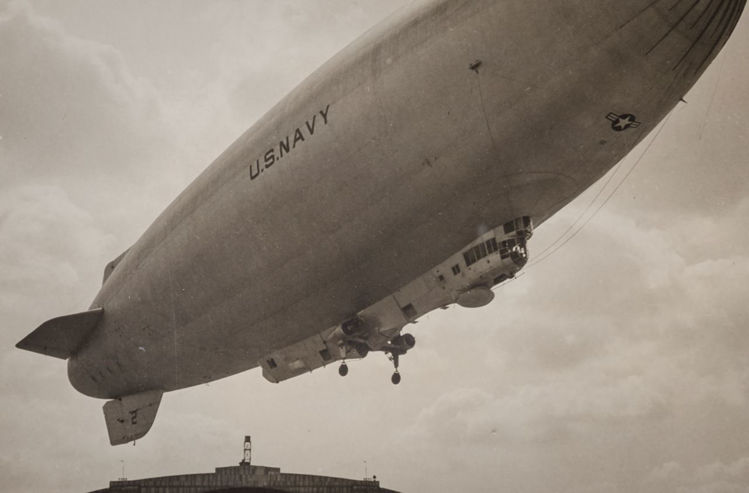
<point>332,246</point>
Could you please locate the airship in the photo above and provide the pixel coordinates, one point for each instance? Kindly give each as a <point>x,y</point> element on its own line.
<point>406,174</point>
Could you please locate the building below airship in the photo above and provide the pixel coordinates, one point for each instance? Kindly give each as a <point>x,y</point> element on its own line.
<point>245,477</point>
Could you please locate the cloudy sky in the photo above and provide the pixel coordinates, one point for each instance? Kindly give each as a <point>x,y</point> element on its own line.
<point>616,364</point>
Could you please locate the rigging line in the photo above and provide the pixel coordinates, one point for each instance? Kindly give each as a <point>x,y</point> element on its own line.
<point>722,39</point>
<point>509,281</point>
<point>581,215</point>
<point>712,96</point>
<point>689,10</point>
<point>726,9</point>
<point>639,159</point>
<point>642,11</point>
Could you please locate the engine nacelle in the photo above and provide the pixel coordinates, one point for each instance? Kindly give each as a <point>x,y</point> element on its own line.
<point>404,342</point>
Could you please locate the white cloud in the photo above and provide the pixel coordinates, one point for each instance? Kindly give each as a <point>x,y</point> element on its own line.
<point>50,249</point>
<point>72,109</point>
<point>715,477</point>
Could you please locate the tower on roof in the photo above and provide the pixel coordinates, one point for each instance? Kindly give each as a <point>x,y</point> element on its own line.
<point>247,457</point>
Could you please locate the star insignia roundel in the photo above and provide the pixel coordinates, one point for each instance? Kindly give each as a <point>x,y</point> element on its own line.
<point>620,123</point>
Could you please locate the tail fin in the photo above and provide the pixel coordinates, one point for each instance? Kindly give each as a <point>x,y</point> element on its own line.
<point>130,417</point>
<point>109,268</point>
<point>62,336</point>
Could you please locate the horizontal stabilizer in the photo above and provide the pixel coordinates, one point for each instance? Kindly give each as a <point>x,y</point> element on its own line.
<point>62,336</point>
<point>129,418</point>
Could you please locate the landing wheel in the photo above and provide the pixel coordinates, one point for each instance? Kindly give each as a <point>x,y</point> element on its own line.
<point>396,378</point>
<point>343,369</point>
